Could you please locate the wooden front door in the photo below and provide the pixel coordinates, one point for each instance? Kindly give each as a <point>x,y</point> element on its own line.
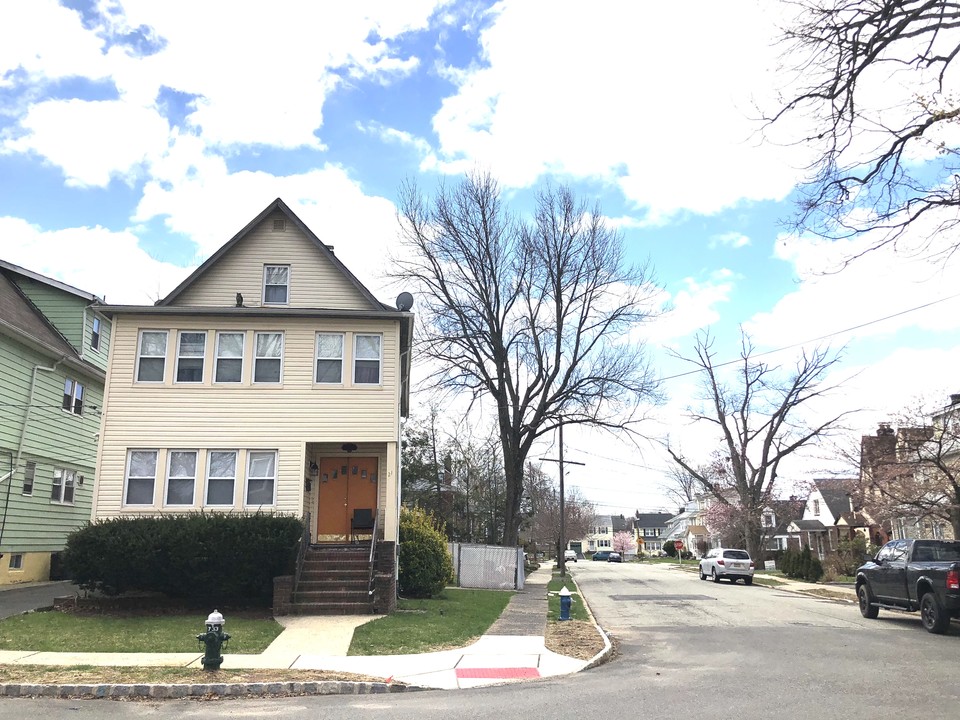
<point>346,483</point>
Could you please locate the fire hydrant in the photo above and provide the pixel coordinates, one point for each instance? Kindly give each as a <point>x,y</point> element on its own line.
<point>213,640</point>
<point>565,602</point>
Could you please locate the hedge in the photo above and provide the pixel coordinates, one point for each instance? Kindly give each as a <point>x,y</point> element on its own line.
<point>204,558</point>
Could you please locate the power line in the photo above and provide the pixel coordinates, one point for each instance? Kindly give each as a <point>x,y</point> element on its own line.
<point>818,339</point>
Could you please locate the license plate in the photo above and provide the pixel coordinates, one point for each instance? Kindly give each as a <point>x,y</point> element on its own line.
<point>738,566</point>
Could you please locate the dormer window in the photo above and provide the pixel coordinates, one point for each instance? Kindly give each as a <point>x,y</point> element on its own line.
<point>276,284</point>
<point>95,334</point>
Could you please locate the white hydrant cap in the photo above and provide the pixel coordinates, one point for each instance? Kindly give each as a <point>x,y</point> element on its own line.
<point>564,592</point>
<point>215,618</point>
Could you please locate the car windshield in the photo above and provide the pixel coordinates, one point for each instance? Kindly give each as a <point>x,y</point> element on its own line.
<point>736,555</point>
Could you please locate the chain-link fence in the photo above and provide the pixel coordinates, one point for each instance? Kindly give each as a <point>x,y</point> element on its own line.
<point>488,566</point>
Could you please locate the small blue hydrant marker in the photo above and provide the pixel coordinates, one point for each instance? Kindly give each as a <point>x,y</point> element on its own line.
<point>213,640</point>
<point>565,602</point>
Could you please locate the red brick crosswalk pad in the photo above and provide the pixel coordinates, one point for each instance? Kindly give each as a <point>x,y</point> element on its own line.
<point>500,673</point>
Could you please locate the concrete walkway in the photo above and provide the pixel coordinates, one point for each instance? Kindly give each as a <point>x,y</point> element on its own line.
<point>514,649</point>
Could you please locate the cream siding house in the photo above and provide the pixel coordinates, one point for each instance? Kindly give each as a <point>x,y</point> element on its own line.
<point>270,380</point>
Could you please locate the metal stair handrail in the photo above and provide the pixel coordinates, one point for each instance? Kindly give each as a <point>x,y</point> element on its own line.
<point>302,551</point>
<point>373,547</point>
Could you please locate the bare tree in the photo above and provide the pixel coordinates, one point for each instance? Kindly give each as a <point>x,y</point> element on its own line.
<point>759,425</point>
<point>543,494</point>
<point>913,471</point>
<point>681,486</point>
<point>877,91</point>
<point>529,318</point>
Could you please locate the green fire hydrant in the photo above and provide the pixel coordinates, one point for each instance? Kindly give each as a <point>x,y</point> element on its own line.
<point>213,640</point>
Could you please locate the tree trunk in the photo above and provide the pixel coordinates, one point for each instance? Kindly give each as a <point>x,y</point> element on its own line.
<point>514,492</point>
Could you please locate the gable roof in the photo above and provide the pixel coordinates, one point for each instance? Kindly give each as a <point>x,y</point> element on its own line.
<point>322,248</point>
<point>20,318</point>
<point>651,520</point>
<point>836,494</point>
<point>4,265</point>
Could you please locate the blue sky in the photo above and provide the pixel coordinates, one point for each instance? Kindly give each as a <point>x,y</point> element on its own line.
<point>136,137</point>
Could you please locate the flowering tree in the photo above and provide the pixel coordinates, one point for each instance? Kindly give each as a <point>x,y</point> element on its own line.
<point>623,542</point>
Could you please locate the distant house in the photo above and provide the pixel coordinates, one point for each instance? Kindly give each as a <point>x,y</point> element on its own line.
<point>54,346</point>
<point>601,535</point>
<point>270,380</point>
<point>828,517</point>
<point>648,530</point>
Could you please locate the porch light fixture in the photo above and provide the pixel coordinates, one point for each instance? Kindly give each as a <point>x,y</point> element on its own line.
<point>314,468</point>
<point>348,447</point>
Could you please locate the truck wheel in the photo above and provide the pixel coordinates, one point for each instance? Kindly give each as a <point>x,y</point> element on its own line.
<point>865,598</point>
<point>933,617</point>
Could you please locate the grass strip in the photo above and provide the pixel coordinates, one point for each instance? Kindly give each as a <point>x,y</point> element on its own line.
<point>68,632</point>
<point>578,611</point>
<point>454,619</point>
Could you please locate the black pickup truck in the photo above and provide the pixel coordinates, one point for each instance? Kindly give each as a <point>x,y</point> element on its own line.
<point>912,575</point>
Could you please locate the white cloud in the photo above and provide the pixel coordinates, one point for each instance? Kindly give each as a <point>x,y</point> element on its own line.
<point>696,305</point>
<point>108,264</point>
<point>608,94</point>
<point>105,139</point>
<point>733,240</point>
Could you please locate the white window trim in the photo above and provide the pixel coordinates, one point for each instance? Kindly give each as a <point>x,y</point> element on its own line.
<point>16,562</point>
<point>65,474</point>
<point>166,350</point>
<point>283,342</point>
<point>74,384</point>
<point>356,338</point>
<point>126,478</point>
<point>29,470</point>
<point>217,358</point>
<point>317,357</point>
<point>263,290</point>
<point>248,477</point>
<point>166,486</point>
<point>203,358</point>
<point>206,486</point>
<point>96,333</point>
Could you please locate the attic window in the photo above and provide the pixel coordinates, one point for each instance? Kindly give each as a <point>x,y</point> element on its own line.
<point>276,282</point>
<point>279,224</point>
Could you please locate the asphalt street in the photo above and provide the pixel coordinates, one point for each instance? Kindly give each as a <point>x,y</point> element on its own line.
<point>687,649</point>
<point>16,599</point>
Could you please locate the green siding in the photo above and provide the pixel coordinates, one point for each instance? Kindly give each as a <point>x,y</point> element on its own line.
<point>54,438</point>
<point>97,357</point>
<point>63,310</point>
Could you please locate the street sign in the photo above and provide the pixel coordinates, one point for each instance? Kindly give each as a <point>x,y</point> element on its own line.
<point>678,544</point>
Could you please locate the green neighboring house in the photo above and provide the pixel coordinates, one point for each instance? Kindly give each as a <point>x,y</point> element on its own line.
<point>53,356</point>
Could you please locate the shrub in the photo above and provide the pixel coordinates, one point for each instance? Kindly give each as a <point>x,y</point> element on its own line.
<point>201,558</point>
<point>814,570</point>
<point>670,549</point>
<point>425,564</point>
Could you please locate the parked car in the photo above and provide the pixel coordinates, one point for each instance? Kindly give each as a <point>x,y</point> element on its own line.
<point>911,575</point>
<point>569,556</point>
<point>726,563</point>
<point>601,555</point>
<point>614,557</point>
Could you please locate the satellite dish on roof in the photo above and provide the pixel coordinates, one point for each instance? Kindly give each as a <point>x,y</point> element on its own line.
<point>404,301</point>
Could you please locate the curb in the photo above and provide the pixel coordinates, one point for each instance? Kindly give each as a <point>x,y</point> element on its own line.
<point>601,657</point>
<point>205,690</point>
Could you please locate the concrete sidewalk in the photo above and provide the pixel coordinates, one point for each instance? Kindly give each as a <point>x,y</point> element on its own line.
<point>514,649</point>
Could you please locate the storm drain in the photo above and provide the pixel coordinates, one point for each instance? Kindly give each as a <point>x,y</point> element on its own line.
<point>661,598</point>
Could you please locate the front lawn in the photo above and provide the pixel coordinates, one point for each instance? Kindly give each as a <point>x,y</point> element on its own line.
<point>455,619</point>
<point>71,632</point>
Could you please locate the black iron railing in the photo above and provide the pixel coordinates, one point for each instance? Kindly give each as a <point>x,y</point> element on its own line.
<point>373,554</point>
<point>302,551</point>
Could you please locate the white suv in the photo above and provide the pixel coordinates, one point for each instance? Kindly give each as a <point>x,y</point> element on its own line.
<point>569,556</point>
<point>723,563</point>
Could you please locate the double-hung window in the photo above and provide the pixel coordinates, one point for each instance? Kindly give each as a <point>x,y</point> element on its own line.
<point>268,357</point>
<point>141,476</point>
<point>29,474</point>
<point>95,334</point>
<point>152,357</point>
<point>366,359</point>
<point>72,397</point>
<point>329,358</point>
<point>229,368</point>
<point>64,482</point>
<point>276,284</point>
<point>221,477</point>
<point>261,477</point>
<point>191,349</point>
<point>181,476</point>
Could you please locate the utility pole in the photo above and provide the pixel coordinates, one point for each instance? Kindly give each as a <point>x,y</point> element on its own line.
<point>561,560</point>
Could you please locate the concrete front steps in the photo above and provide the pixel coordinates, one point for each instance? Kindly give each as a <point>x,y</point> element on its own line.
<point>334,581</point>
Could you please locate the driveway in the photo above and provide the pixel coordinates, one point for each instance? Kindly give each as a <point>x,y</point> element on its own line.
<point>16,599</point>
